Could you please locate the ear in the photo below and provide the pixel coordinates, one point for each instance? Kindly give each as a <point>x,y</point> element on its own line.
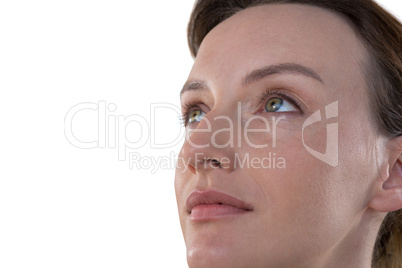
<point>388,192</point>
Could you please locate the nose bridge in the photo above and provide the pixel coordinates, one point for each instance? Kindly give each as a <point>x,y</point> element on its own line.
<point>214,140</point>
<point>223,125</point>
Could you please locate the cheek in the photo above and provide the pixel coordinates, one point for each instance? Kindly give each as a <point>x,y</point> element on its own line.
<point>179,174</point>
<point>357,158</point>
<point>181,182</point>
<point>294,182</point>
<point>271,132</point>
<point>310,198</point>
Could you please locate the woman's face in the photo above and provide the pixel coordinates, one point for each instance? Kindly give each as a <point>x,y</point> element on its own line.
<point>257,79</point>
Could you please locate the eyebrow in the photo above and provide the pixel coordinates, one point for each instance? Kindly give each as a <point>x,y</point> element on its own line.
<point>193,85</point>
<point>280,69</point>
<point>261,73</point>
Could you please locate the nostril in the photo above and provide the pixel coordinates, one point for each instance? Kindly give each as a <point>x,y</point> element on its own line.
<point>215,163</point>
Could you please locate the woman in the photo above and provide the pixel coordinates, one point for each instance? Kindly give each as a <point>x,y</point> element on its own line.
<point>294,135</point>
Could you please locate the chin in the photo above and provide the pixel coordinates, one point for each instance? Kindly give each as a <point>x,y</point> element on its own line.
<point>218,251</point>
<point>201,257</point>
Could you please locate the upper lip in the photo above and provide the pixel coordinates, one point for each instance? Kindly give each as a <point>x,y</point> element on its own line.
<point>210,197</point>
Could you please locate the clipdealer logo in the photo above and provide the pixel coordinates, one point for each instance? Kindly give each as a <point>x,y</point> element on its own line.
<point>112,132</point>
<point>113,129</point>
<point>330,156</point>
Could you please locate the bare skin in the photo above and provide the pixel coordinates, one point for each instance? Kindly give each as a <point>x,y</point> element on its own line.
<point>308,213</point>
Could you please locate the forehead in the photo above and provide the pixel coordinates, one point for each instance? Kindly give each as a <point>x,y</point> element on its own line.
<point>281,33</point>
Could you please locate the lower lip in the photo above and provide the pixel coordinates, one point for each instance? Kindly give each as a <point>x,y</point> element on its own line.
<point>216,211</point>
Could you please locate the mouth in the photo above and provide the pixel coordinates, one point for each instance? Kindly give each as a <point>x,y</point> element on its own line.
<point>213,205</point>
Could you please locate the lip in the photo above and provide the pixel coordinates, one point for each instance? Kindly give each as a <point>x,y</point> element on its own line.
<point>212,204</point>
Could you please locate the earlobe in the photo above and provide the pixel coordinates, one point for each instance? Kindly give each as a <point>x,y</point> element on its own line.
<point>388,195</point>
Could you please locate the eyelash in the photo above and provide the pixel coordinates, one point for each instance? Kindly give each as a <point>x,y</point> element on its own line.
<point>188,109</point>
<point>270,92</point>
<point>192,105</point>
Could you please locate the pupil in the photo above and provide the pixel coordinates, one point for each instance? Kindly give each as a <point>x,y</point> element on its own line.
<point>194,115</point>
<point>274,104</point>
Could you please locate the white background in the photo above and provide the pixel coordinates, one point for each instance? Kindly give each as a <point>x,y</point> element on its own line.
<point>62,206</point>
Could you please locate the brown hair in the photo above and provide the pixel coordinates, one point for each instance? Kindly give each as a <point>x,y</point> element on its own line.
<point>381,33</point>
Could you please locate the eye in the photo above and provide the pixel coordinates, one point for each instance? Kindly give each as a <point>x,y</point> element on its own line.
<point>195,115</point>
<point>193,111</point>
<point>277,104</point>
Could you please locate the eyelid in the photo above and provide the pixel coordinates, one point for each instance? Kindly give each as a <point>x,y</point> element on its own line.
<point>269,93</point>
<point>193,104</point>
<point>189,107</point>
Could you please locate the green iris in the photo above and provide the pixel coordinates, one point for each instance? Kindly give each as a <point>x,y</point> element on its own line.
<point>195,116</point>
<point>273,104</point>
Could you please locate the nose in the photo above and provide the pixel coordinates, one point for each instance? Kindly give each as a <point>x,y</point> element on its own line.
<point>210,145</point>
